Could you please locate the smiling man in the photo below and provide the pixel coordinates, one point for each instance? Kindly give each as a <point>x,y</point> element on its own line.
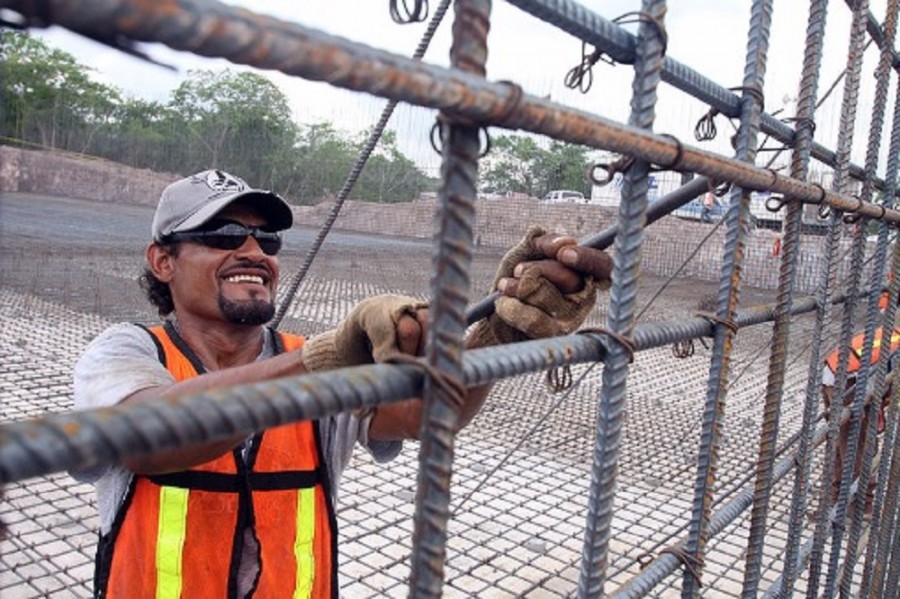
<point>255,516</point>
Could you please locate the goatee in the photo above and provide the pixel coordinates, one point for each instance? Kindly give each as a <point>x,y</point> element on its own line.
<point>250,312</point>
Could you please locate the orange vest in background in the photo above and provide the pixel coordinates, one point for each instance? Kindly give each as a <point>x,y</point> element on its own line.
<point>182,534</point>
<point>854,360</point>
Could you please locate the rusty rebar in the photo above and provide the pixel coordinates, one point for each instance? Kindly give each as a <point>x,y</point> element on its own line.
<point>728,299</point>
<point>623,299</point>
<point>450,286</point>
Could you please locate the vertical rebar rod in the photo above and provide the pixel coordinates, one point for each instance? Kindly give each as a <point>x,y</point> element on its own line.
<point>841,177</point>
<point>857,406</point>
<point>622,303</point>
<point>450,284</point>
<point>806,106</point>
<point>728,297</point>
<point>887,328</point>
<point>887,546</point>
<point>893,575</point>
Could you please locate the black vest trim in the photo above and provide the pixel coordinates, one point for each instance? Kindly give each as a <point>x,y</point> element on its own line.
<point>218,482</point>
<point>183,347</point>
<point>160,352</point>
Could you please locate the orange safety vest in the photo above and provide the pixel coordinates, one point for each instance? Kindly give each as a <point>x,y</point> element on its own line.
<point>182,534</point>
<point>854,359</point>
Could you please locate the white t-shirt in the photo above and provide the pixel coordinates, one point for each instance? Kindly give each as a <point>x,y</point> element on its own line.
<point>827,376</point>
<point>123,360</point>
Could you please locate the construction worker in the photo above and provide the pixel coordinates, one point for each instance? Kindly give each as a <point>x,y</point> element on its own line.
<point>829,373</point>
<point>254,515</point>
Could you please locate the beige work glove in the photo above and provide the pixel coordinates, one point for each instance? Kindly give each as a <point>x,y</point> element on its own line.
<point>367,335</point>
<point>539,309</point>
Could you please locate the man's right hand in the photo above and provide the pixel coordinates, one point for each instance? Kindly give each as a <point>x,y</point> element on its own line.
<point>376,328</point>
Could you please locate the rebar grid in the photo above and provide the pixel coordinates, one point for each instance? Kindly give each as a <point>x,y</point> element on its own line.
<point>885,506</point>
<point>83,439</point>
<point>622,302</point>
<point>886,324</point>
<point>862,375</point>
<point>619,45</point>
<point>41,445</point>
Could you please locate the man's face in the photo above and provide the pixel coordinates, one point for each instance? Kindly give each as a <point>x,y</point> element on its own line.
<point>237,286</point>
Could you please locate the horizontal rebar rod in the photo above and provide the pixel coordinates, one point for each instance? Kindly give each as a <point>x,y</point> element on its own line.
<point>82,439</point>
<point>210,28</point>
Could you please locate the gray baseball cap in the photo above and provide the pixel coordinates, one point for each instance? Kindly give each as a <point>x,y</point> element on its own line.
<point>190,202</point>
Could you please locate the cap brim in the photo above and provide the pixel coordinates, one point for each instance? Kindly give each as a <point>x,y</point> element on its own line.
<point>272,207</point>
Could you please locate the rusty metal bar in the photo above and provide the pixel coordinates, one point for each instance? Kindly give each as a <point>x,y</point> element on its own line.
<point>887,545</point>
<point>886,324</point>
<point>622,302</point>
<point>210,28</point>
<point>883,516</point>
<point>792,561</point>
<point>727,300</point>
<point>806,107</point>
<point>450,286</point>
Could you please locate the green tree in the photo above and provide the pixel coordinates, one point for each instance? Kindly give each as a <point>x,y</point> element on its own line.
<point>238,121</point>
<point>48,97</point>
<point>517,163</point>
<point>389,176</point>
<point>324,156</point>
<point>138,134</point>
<point>510,165</point>
<point>563,166</point>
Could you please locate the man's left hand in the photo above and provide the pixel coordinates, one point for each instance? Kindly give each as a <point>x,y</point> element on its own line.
<point>548,285</point>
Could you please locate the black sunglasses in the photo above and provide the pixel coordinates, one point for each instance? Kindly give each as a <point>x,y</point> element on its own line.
<point>230,236</point>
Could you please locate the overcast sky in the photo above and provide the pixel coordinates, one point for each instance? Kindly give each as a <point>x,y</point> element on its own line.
<point>707,36</point>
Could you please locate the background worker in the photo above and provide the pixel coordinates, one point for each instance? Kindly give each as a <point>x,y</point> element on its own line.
<point>829,374</point>
<point>254,516</point>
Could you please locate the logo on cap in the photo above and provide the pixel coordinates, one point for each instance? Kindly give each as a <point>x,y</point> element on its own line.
<point>220,181</point>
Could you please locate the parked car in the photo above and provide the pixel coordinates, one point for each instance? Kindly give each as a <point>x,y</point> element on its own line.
<point>564,195</point>
<point>695,210</point>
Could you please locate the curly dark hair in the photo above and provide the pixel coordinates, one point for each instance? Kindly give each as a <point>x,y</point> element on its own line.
<point>157,292</point>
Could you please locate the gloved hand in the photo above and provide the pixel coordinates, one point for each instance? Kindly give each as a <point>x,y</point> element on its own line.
<point>367,335</point>
<point>548,287</point>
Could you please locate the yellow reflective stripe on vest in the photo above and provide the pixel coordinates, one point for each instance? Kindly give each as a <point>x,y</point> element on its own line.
<point>173,504</point>
<point>303,543</point>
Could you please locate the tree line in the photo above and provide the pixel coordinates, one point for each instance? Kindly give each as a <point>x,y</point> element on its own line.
<point>238,121</point>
